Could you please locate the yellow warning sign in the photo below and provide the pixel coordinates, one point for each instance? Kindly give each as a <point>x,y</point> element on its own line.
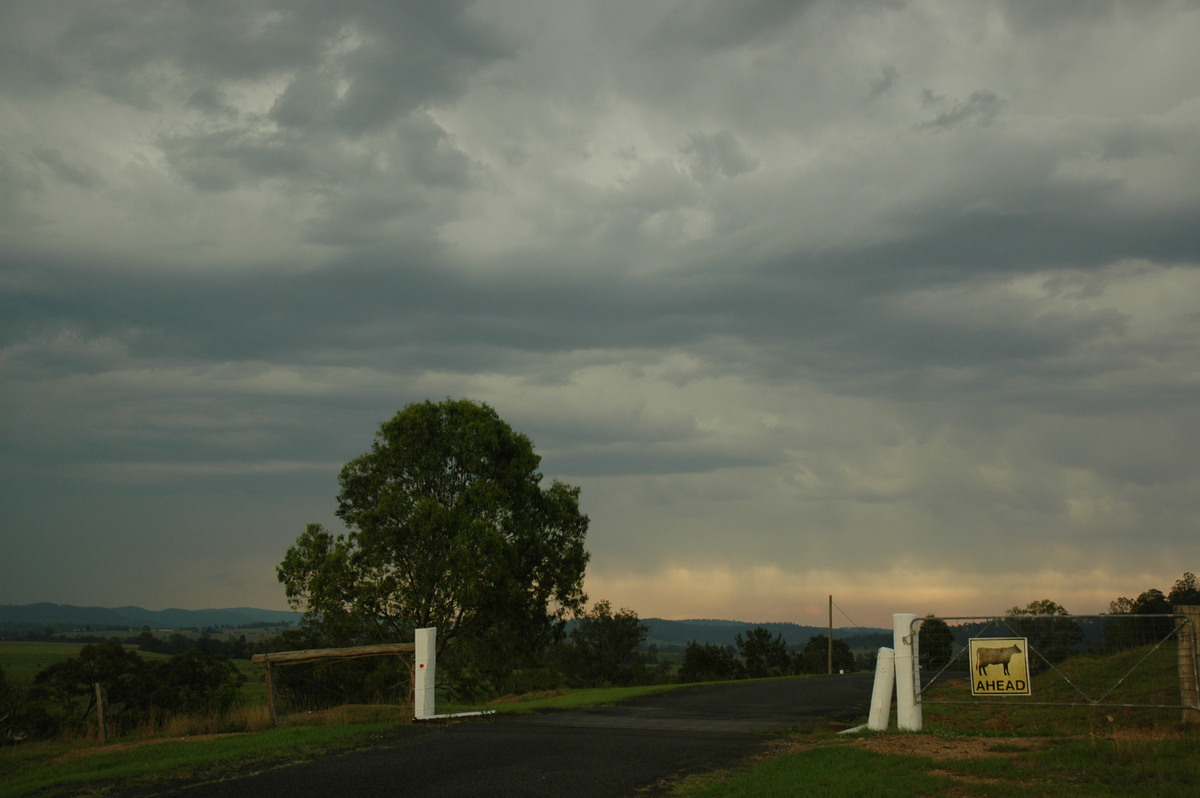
<point>999,665</point>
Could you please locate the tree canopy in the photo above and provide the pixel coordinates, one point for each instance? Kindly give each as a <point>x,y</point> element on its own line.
<point>815,656</point>
<point>448,526</point>
<point>604,646</point>
<point>762,654</point>
<point>1051,632</point>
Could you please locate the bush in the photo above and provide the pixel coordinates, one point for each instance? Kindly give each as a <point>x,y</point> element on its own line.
<point>62,700</point>
<point>708,662</point>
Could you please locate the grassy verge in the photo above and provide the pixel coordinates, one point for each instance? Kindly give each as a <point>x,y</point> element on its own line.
<point>937,765</point>
<point>59,768</point>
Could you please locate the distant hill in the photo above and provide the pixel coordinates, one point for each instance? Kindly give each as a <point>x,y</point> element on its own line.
<point>667,635</point>
<point>66,616</point>
<point>675,635</point>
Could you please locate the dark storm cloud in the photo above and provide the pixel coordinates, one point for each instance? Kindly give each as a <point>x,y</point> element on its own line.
<point>728,268</point>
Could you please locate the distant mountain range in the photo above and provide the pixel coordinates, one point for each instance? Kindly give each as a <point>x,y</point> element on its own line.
<point>667,635</point>
<point>66,616</point>
<point>670,635</point>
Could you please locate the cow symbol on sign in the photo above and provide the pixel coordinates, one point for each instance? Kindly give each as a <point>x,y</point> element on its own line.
<point>985,657</point>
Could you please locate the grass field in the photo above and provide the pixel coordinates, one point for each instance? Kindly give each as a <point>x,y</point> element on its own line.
<point>22,661</point>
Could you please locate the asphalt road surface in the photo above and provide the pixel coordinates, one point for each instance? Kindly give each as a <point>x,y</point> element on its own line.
<point>638,746</point>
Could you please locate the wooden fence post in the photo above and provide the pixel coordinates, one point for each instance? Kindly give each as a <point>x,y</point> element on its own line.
<point>101,726</point>
<point>1189,690</point>
<point>270,697</point>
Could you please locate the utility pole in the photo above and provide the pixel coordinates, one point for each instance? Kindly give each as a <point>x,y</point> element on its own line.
<point>831,635</point>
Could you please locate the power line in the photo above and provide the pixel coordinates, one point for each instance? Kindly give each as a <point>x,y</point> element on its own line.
<point>843,612</point>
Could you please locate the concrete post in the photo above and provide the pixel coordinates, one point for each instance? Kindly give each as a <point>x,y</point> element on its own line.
<point>424,665</point>
<point>881,693</point>
<point>908,711</point>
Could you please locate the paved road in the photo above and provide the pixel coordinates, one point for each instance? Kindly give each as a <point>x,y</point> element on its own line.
<point>611,751</point>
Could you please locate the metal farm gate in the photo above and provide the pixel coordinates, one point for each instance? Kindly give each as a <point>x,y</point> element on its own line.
<point>1126,661</point>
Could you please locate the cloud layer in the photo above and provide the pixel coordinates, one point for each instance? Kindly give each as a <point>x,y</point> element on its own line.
<point>878,299</point>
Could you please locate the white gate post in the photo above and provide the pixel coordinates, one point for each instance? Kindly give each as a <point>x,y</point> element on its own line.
<point>425,663</point>
<point>881,693</point>
<point>908,674</point>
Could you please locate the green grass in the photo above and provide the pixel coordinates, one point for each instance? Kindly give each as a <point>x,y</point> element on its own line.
<point>22,661</point>
<point>831,772</point>
<point>1084,768</point>
<point>62,769</point>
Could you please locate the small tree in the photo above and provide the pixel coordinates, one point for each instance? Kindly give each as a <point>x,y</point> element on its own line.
<point>1120,606</point>
<point>815,656</point>
<point>1151,602</point>
<point>67,688</point>
<point>936,644</point>
<point>1051,634</point>
<point>762,654</point>
<point>1185,591</point>
<point>196,682</point>
<point>708,662</point>
<point>604,645</point>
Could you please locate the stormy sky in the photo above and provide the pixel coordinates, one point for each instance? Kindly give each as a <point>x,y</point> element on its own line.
<point>894,301</point>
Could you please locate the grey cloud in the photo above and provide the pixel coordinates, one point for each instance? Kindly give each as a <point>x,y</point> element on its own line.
<point>308,101</point>
<point>227,159</point>
<point>19,182</point>
<point>719,153</point>
<point>409,54</point>
<point>884,83</point>
<point>1035,18</point>
<point>713,24</point>
<point>81,176</point>
<point>210,100</point>
<point>981,107</point>
<point>112,47</point>
<point>1132,138</point>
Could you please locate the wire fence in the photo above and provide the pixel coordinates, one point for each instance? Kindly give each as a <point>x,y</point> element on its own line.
<point>1125,660</point>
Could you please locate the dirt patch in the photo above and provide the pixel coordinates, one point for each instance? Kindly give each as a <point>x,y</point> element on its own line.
<point>948,748</point>
<point>939,748</point>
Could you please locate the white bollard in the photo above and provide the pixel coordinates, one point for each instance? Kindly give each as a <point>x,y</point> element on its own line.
<point>908,674</point>
<point>425,663</point>
<point>881,693</point>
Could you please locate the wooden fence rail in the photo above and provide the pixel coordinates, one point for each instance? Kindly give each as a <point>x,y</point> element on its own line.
<point>315,654</point>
